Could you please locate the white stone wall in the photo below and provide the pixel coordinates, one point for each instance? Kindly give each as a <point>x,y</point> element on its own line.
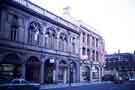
<point>98,49</point>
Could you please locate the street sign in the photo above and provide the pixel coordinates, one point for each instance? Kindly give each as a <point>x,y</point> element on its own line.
<point>52,60</point>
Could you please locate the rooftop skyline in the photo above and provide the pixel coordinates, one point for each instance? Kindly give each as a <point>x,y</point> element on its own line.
<point>113,19</point>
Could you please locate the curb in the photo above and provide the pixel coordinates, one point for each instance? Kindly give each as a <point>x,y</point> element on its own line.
<point>53,86</point>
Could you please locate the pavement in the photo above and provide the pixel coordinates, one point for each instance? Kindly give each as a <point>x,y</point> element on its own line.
<point>60,86</point>
<point>89,86</point>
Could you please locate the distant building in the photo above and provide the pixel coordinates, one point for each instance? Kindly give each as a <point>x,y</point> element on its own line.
<point>121,65</point>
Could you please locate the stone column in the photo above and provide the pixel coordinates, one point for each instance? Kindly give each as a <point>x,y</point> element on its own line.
<point>91,77</point>
<point>90,42</point>
<point>54,75</point>
<point>42,71</point>
<point>95,56</point>
<point>57,40</point>
<point>78,70</point>
<point>80,73</point>
<point>100,70</point>
<point>56,70</point>
<point>65,76</point>
<point>68,74</point>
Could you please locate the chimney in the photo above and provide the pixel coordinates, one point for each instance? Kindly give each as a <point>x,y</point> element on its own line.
<point>118,51</point>
<point>66,10</point>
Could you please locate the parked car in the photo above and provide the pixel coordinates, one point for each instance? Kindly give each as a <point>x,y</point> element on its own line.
<point>108,78</point>
<point>19,80</point>
<point>20,84</point>
<point>132,80</point>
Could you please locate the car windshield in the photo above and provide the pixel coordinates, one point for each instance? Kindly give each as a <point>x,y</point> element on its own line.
<point>19,81</point>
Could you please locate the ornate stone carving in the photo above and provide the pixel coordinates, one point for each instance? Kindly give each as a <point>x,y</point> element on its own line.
<point>63,36</point>
<point>51,32</point>
<point>35,26</point>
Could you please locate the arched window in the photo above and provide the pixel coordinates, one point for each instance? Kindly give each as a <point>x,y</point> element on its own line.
<point>13,33</point>
<point>73,45</point>
<point>10,67</point>
<point>34,33</point>
<point>63,42</point>
<point>33,67</point>
<point>50,38</point>
<point>88,53</point>
<point>14,28</point>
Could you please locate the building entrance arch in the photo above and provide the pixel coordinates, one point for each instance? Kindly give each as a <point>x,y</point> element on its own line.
<point>48,73</point>
<point>86,73</point>
<point>95,72</point>
<point>33,66</point>
<point>10,67</point>
<point>73,72</point>
<point>63,72</point>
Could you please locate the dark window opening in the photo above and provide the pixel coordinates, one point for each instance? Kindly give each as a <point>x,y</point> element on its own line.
<point>83,51</point>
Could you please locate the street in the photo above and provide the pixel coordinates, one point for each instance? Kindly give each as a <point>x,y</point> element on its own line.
<point>104,86</point>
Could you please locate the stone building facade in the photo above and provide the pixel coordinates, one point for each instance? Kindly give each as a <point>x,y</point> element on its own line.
<point>92,50</point>
<point>120,65</point>
<point>37,45</point>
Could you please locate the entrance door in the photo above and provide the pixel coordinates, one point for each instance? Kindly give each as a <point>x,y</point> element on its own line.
<point>73,72</point>
<point>49,72</point>
<point>86,73</point>
<point>63,69</point>
<point>33,69</point>
<point>63,75</point>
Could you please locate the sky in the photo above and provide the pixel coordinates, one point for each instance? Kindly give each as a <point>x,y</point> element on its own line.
<point>113,19</point>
